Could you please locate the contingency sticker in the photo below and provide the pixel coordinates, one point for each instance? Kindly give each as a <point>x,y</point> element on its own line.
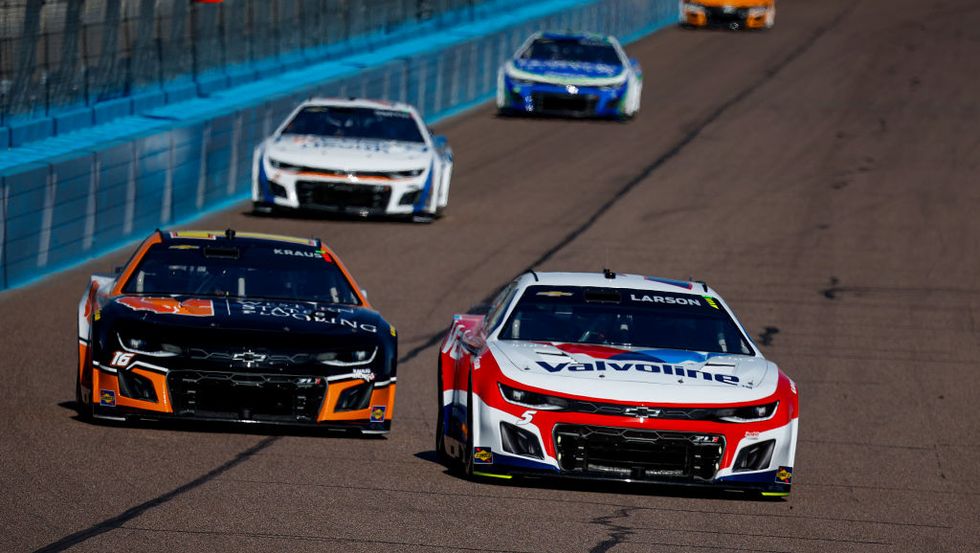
<point>191,307</point>
<point>377,413</point>
<point>482,455</point>
<point>107,398</point>
<point>784,475</point>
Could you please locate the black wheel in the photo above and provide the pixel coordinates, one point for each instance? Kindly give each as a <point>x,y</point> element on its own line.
<point>262,208</point>
<point>84,409</point>
<point>440,421</point>
<point>467,460</point>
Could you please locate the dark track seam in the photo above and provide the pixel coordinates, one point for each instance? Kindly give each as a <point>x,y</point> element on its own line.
<point>616,533</point>
<point>297,537</point>
<point>117,521</point>
<point>596,503</point>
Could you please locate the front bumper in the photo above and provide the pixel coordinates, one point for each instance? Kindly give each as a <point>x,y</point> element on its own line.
<point>561,100</point>
<point>628,449</point>
<point>243,396</point>
<point>328,194</point>
<point>696,15</point>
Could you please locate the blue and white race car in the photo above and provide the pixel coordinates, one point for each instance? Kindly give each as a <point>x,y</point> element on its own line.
<point>353,156</point>
<point>579,75</point>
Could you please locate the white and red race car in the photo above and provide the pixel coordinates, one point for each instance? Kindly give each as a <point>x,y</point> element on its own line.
<point>614,377</point>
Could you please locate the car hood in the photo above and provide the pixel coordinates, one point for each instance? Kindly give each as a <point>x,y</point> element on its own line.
<point>258,315</point>
<point>655,376</point>
<point>349,154</point>
<point>568,69</point>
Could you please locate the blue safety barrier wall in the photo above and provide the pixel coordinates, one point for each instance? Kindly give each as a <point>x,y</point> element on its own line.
<point>70,198</point>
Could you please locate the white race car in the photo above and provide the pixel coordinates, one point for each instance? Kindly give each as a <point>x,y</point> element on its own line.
<point>359,157</point>
<point>614,377</point>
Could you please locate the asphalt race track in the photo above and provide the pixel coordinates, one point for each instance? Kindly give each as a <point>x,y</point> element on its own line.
<point>822,176</point>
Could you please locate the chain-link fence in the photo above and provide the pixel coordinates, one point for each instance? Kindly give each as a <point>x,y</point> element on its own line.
<point>56,53</point>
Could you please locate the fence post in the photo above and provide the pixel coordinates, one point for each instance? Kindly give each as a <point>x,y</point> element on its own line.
<point>24,76</point>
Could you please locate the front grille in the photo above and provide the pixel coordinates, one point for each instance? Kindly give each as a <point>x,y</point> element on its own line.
<point>625,453</point>
<point>343,196</point>
<point>579,104</point>
<point>720,16</point>
<point>639,411</point>
<point>246,396</point>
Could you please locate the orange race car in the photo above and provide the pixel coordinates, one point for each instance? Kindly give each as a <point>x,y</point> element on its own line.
<point>235,327</point>
<point>732,14</point>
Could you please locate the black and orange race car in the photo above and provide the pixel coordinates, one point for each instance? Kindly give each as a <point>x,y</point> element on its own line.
<point>235,327</point>
<point>731,14</point>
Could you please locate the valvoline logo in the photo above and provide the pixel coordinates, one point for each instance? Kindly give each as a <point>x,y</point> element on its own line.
<point>655,361</point>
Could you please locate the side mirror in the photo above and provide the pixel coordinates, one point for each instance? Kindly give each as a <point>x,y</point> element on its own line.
<point>364,293</point>
<point>635,64</point>
<point>440,141</point>
<point>117,270</point>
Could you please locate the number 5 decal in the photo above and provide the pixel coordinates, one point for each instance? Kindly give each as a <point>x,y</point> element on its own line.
<point>526,417</point>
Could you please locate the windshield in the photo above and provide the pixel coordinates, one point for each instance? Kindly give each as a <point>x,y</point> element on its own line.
<point>355,122</point>
<point>241,270</point>
<point>624,317</point>
<point>571,49</point>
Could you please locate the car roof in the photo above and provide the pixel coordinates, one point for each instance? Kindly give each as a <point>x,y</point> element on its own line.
<point>620,280</point>
<point>184,235</point>
<point>358,102</point>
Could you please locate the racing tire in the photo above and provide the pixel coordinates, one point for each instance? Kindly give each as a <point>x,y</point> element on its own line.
<point>263,209</point>
<point>467,461</point>
<point>441,454</point>
<point>84,410</point>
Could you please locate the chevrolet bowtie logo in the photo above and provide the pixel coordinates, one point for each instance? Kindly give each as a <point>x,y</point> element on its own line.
<point>249,357</point>
<point>641,412</point>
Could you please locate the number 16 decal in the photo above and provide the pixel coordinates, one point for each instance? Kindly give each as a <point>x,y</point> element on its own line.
<point>121,359</point>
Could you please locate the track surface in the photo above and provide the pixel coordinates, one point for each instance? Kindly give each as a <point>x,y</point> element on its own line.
<point>822,176</point>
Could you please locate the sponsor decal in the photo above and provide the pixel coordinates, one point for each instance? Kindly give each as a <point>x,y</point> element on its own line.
<point>784,475</point>
<point>751,435</point>
<point>666,300</point>
<point>392,330</point>
<point>170,306</point>
<point>183,247</point>
<point>482,455</point>
<point>711,301</point>
<point>107,398</point>
<point>652,368</point>
<point>565,67</point>
<point>338,316</point>
<point>299,253</point>
<point>554,294</point>
<point>310,142</point>
<point>377,413</point>
<point>364,374</point>
<point>98,314</point>
<point>326,256</point>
